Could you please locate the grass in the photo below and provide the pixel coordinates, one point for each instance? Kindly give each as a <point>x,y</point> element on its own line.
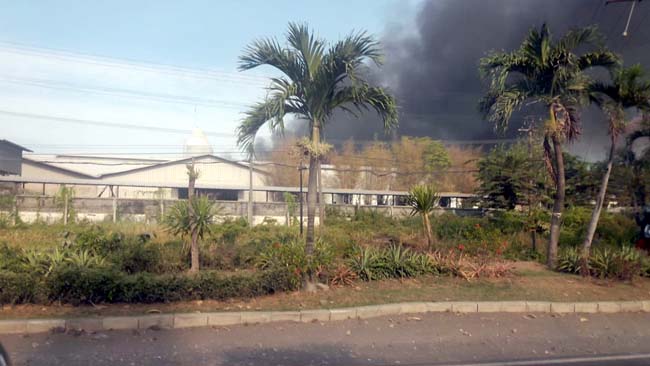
<point>530,282</point>
<point>45,236</point>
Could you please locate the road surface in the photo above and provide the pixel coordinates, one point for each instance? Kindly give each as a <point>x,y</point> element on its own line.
<point>427,339</point>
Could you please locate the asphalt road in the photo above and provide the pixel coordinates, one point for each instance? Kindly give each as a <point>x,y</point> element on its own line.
<point>429,339</point>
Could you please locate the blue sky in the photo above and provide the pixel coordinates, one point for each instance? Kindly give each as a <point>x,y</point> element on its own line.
<point>125,85</point>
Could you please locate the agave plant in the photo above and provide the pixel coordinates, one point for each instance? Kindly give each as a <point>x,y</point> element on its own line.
<point>423,200</point>
<point>86,259</point>
<point>367,263</point>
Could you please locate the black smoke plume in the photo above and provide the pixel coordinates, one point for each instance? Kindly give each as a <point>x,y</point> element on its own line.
<point>431,63</point>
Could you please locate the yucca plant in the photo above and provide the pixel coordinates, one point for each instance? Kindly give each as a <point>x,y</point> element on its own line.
<point>191,218</point>
<point>423,200</point>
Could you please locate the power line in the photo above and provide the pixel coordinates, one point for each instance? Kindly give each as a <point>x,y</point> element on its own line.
<point>130,64</point>
<point>53,84</point>
<point>107,124</point>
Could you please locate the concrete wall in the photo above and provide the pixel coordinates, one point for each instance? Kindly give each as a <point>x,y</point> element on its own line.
<point>32,208</point>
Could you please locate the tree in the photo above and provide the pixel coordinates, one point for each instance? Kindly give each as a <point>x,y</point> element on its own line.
<point>423,199</point>
<point>509,177</point>
<point>191,218</point>
<point>317,80</point>
<point>628,90</point>
<point>549,73</point>
<point>580,182</point>
<point>636,167</point>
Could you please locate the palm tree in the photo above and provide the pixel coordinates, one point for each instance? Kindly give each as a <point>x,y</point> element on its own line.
<point>629,89</point>
<point>317,80</point>
<point>191,218</point>
<point>423,200</point>
<point>549,73</point>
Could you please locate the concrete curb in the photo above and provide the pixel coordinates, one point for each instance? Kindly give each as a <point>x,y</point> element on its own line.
<point>189,320</point>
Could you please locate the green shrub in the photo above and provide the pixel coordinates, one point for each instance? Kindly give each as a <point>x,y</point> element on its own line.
<point>10,259</point>
<point>18,288</point>
<point>98,240</point>
<point>76,285</point>
<point>291,258</point>
<point>139,257</point>
<point>613,229</point>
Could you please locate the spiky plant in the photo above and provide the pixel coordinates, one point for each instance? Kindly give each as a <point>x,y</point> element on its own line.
<point>423,199</point>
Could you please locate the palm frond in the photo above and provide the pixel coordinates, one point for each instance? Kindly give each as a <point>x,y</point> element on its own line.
<point>272,110</point>
<point>578,37</point>
<point>363,98</point>
<point>599,58</point>
<point>308,46</point>
<point>269,52</point>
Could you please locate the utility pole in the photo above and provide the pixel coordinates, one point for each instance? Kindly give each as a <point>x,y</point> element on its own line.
<point>250,191</point>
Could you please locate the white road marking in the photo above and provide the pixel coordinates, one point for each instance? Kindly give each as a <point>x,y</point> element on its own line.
<point>561,361</point>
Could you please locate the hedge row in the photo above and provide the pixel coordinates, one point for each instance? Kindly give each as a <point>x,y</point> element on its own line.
<point>74,285</point>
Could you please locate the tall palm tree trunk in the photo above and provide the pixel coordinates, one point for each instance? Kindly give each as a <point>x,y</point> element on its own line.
<point>321,198</point>
<point>312,194</point>
<point>558,205</point>
<point>595,214</point>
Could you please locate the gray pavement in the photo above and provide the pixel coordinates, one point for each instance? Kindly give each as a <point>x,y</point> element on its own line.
<point>425,339</point>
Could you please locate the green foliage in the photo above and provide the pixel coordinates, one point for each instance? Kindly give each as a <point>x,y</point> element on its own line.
<point>290,200</point>
<point>139,256</point>
<point>367,263</point>
<point>422,199</point>
<point>316,81</point>
<point>10,259</point>
<point>194,215</point>
<point>436,157</point>
<point>581,182</point>
<point>76,285</point>
<point>613,230</point>
<point>18,288</point>
<point>395,261</point>
<point>510,177</point>
<point>291,258</point>
<point>622,263</point>
<point>569,260</point>
<point>63,198</point>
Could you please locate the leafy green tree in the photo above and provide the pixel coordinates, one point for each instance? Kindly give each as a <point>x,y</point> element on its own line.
<point>548,73</point>
<point>423,200</point>
<point>634,170</point>
<point>580,180</point>
<point>317,80</point>
<point>509,177</point>
<point>191,218</point>
<point>629,90</point>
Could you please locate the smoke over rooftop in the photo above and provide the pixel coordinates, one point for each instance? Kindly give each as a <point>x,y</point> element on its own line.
<point>431,62</point>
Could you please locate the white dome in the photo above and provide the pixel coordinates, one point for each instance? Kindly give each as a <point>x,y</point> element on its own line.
<point>197,144</point>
